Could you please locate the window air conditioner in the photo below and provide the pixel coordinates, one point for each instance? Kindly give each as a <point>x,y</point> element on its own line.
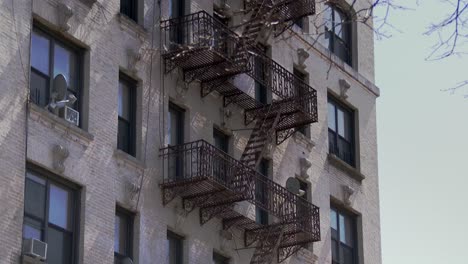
<point>72,116</point>
<point>35,248</point>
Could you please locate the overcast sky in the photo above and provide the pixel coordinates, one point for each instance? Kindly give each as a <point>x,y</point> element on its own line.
<point>423,145</point>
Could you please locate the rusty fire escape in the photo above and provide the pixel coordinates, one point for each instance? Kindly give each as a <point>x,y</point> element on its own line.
<point>209,52</point>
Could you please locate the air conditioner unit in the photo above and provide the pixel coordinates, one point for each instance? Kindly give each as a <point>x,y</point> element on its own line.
<point>35,248</point>
<point>72,116</point>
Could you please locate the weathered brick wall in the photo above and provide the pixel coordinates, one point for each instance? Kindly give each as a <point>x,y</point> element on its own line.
<point>107,175</point>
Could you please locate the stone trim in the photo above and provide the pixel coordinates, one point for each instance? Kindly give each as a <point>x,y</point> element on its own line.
<point>345,167</point>
<point>129,160</point>
<point>37,113</point>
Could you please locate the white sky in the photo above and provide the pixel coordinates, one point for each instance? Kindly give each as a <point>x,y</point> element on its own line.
<point>423,144</point>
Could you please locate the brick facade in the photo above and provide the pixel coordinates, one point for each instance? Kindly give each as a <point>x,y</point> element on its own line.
<point>107,176</point>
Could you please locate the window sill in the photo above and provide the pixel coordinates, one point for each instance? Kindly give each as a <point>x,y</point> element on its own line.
<point>37,113</point>
<point>345,167</point>
<point>128,160</point>
<point>132,26</point>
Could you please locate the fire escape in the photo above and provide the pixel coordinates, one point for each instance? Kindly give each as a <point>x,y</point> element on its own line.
<point>205,177</point>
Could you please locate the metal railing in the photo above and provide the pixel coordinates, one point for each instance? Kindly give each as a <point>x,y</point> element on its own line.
<point>197,30</point>
<point>197,160</point>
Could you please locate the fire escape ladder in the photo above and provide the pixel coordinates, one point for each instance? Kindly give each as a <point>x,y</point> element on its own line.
<point>261,135</point>
<point>268,241</point>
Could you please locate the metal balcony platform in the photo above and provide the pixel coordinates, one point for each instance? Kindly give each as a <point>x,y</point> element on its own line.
<point>205,177</point>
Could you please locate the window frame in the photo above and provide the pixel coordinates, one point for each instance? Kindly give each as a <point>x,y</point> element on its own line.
<point>130,218</point>
<point>77,51</point>
<point>132,88</point>
<point>352,117</point>
<point>340,211</point>
<point>347,29</point>
<point>74,209</point>
<point>179,249</point>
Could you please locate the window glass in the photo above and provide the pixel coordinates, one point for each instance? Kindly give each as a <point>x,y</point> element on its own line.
<point>341,123</point>
<point>342,228</point>
<point>174,244</point>
<point>175,123</point>
<point>338,21</point>
<point>219,259</point>
<point>62,62</point>
<point>40,53</point>
<point>58,206</point>
<point>333,220</point>
<point>39,89</point>
<point>35,197</point>
<point>30,231</point>
<point>124,104</point>
<point>61,243</point>
<point>123,235</point>
<point>331,117</point>
<point>117,234</point>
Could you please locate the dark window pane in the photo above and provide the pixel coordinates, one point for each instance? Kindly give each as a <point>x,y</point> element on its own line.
<point>221,140</point>
<point>121,240</point>
<point>175,126</point>
<point>35,197</point>
<point>331,117</point>
<point>62,62</point>
<point>219,259</point>
<point>59,247</point>
<point>40,49</point>
<point>129,8</point>
<point>59,206</point>
<point>335,251</point>
<point>39,88</point>
<point>123,136</point>
<point>175,252</point>
<point>347,255</point>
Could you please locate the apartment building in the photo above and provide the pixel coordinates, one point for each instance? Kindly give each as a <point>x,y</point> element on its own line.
<point>187,131</point>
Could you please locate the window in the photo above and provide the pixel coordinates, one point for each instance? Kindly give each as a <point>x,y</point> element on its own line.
<point>220,259</point>
<point>300,23</point>
<point>49,216</point>
<point>49,58</point>
<point>130,9</point>
<point>123,235</point>
<point>175,248</point>
<point>220,31</point>
<point>343,237</point>
<point>220,164</point>
<point>261,75</point>
<point>299,87</point>
<point>177,9</point>
<point>176,137</point>
<point>341,131</point>
<point>338,32</point>
<point>221,140</point>
<point>261,192</point>
<point>126,136</point>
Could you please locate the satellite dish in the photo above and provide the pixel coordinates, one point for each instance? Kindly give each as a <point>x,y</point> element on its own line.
<point>293,185</point>
<point>59,89</point>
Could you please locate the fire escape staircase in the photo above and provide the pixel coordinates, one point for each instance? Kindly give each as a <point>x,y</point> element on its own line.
<point>209,179</point>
